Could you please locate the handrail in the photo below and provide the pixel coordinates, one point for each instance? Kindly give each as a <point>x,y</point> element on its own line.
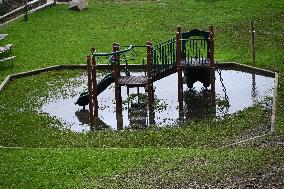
<point>139,46</point>
<point>114,53</point>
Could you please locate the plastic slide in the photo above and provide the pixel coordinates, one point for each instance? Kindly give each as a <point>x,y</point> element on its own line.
<point>83,99</point>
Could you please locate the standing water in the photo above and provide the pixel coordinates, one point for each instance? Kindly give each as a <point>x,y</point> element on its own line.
<point>242,89</point>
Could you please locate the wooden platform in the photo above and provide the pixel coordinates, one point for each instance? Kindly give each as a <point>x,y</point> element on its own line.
<point>195,62</point>
<point>133,81</point>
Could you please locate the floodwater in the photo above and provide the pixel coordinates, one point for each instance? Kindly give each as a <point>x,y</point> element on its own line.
<point>242,89</point>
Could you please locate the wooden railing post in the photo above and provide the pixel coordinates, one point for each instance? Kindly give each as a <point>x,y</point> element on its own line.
<point>116,58</point>
<point>253,36</point>
<point>179,68</point>
<point>89,73</point>
<point>118,100</point>
<point>212,66</point>
<point>94,81</point>
<point>115,71</point>
<point>26,9</point>
<point>149,78</point>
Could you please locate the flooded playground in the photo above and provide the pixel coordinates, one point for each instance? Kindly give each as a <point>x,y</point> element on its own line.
<point>239,90</point>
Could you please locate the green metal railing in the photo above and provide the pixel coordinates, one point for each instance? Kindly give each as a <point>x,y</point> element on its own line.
<point>113,53</point>
<point>163,56</point>
<point>195,47</point>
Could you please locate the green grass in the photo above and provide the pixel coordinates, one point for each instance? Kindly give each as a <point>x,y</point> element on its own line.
<point>58,36</point>
<point>85,168</point>
<point>65,168</point>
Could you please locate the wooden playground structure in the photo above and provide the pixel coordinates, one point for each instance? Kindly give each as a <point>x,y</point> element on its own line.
<point>191,53</point>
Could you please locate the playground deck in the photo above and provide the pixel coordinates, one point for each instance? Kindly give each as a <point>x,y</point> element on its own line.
<point>195,62</point>
<point>133,81</point>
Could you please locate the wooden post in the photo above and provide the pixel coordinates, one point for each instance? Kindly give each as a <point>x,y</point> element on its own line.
<point>94,82</point>
<point>118,100</point>
<point>116,58</point>
<point>253,36</point>
<point>119,120</point>
<point>89,72</point>
<point>212,67</point>
<point>115,71</point>
<point>152,118</point>
<point>179,69</point>
<point>179,29</point>
<point>149,78</point>
<point>253,92</point>
<point>26,11</point>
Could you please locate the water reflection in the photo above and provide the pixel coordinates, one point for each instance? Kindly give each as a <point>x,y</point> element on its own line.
<point>137,115</point>
<point>243,89</point>
<point>83,117</point>
<point>197,104</point>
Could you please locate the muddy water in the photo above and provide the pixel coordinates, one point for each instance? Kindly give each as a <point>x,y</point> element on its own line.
<point>243,90</point>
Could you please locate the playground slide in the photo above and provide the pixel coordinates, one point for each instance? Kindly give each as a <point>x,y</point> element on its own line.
<point>83,99</point>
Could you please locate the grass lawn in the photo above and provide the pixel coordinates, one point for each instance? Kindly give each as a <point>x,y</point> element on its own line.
<point>94,168</point>
<point>156,158</point>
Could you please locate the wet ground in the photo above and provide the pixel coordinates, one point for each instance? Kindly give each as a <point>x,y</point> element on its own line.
<point>242,89</point>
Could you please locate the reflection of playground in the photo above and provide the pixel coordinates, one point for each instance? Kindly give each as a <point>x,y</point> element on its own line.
<point>197,104</point>
<point>137,112</point>
<point>137,115</point>
<point>83,117</point>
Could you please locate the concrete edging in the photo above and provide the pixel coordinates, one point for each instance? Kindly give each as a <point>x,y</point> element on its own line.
<point>274,105</point>
<point>5,83</point>
<point>248,68</point>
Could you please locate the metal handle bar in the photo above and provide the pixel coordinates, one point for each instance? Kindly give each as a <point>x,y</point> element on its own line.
<point>113,53</point>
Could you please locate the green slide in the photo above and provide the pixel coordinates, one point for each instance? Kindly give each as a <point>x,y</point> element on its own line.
<point>83,99</point>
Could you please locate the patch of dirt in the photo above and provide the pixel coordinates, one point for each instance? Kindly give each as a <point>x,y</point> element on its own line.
<point>268,176</point>
<point>271,177</point>
<point>252,132</point>
<point>272,141</point>
<point>268,179</point>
